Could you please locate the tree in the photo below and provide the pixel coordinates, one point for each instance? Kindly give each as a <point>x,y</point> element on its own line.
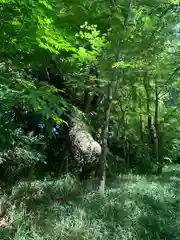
<point>116,63</point>
<point>108,103</point>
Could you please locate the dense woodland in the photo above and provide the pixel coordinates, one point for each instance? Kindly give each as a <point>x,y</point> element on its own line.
<point>89,91</point>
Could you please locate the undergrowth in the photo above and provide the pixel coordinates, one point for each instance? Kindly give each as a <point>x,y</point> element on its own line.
<point>135,207</point>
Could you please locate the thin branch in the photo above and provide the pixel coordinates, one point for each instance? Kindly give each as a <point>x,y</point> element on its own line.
<point>167,81</point>
<point>161,16</point>
<point>169,115</point>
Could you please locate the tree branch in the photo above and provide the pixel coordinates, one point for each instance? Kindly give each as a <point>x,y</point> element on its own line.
<point>167,81</point>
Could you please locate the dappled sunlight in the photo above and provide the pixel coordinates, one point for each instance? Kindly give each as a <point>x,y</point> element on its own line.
<point>140,208</point>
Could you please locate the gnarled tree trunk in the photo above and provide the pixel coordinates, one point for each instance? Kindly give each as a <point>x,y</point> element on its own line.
<point>85,150</point>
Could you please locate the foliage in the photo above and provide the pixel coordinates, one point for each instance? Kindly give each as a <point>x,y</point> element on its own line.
<point>111,68</point>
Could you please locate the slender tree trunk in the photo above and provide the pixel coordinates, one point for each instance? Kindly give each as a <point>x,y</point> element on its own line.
<point>152,133</point>
<point>157,144</point>
<point>149,117</point>
<point>160,149</point>
<point>104,140</point>
<point>156,106</point>
<point>108,103</point>
<point>141,129</point>
<point>141,126</point>
<point>156,122</point>
<point>87,100</point>
<point>153,127</point>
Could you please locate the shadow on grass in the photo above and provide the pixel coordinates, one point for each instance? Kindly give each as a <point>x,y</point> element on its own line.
<point>136,217</point>
<point>158,221</point>
<point>131,209</point>
<point>168,176</point>
<point>38,198</point>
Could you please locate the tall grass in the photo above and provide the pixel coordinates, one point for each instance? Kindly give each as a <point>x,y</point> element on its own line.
<point>135,207</point>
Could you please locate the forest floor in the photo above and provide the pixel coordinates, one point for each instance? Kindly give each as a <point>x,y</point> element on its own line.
<point>135,207</point>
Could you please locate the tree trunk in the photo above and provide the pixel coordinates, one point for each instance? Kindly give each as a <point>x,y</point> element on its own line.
<point>107,108</point>
<point>156,129</point>
<point>149,117</point>
<point>141,127</point>
<point>87,100</point>
<point>104,136</point>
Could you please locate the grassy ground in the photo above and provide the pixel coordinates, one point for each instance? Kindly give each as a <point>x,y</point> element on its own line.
<point>135,207</point>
